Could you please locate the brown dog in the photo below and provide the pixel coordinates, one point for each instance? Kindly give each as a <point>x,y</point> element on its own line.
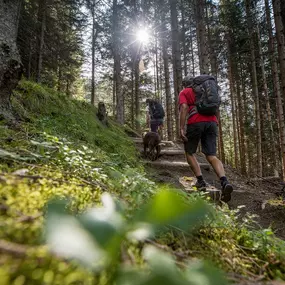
<point>151,141</point>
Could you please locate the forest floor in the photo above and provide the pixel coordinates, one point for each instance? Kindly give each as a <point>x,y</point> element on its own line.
<point>257,196</point>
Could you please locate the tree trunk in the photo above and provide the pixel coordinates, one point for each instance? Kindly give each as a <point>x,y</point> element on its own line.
<point>276,86</point>
<point>280,41</point>
<point>232,95</point>
<point>183,40</point>
<point>241,121</point>
<point>211,41</point>
<point>267,104</point>
<point>137,93</point>
<point>283,14</point>
<point>132,99</point>
<point>117,66</point>
<point>136,62</point>
<point>169,115</point>
<point>255,87</point>
<point>93,54</point>
<point>10,63</point>
<point>157,70</point>
<point>201,37</point>
<point>176,62</point>
<point>114,91</point>
<point>192,51</point>
<point>41,34</point>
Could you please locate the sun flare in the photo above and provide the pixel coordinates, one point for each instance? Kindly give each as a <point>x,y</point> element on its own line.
<point>143,36</point>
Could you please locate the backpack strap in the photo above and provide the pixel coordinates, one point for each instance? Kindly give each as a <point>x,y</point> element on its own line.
<point>194,109</point>
<point>192,112</point>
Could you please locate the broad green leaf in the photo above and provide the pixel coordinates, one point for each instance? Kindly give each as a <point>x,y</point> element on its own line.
<point>131,277</point>
<point>105,224</point>
<point>66,237</point>
<point>140,232</point>
<point>139,277</point>
<point>159,261</point>
<point>11,155</point>
<point>163,270</point>
<point>170,208</point>
<point>203,273</point>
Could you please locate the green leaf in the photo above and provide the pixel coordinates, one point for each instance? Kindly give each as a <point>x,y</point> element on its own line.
<point>203,273</point>
<point>163,271</point>
<point>171,208</point>
<point>66,237</point>
<point>105,224</point>
<point>159,261</point>
<point>13,156</point>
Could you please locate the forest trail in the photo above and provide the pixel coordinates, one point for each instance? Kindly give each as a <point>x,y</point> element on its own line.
<point>254,194</point>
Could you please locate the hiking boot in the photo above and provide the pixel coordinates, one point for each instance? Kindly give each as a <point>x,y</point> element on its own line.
<point>227,190</point>
<point>201,185</point>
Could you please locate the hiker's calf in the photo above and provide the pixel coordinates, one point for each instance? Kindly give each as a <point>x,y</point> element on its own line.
<point>151,141</point>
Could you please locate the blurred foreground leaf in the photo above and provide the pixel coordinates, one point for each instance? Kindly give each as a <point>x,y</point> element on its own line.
<point>163,270</point>
<point>171,208</point>
<point>66,237</point>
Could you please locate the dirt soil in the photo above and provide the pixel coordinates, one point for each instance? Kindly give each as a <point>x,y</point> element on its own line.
<point>253,194</point>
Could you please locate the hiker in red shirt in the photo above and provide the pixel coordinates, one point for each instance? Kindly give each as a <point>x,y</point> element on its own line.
<point>200,127</point>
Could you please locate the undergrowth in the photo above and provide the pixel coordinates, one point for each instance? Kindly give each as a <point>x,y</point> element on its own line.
<point>59,150</point>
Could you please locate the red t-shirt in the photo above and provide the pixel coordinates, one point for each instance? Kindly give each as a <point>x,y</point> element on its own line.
<point>187,96</point>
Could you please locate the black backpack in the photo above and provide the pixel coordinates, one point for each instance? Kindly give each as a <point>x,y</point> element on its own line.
<point>207,97</point>
<point>156,111</point>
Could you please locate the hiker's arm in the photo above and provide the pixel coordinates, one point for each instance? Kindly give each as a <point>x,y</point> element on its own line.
<point>183,114</point>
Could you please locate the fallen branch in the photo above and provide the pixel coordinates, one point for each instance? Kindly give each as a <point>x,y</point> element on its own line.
<point>15,249</point>
<point>28,219</point>
<point>96,183</point>
<point>267,179</point>
<point>166,248</point>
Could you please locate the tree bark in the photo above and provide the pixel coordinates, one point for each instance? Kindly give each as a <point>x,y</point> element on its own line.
<point>280,41</point>
<point>176,62</point>
<point>241,121</point>
<point>283,15</point>
<point>232,95</point>
<point>183,40</point>
<point>201,37</point>
<point>255,87</point>
<point>192,51</point>
<point>157,71</point>
<point>117,66</point>
<point>211,41</point>
<point>267,103</point>
<point>136,62</point>
<point>93,53</point>
<point>276,86</point>
<point>41,35</point>
<point>10,63</point>
<point>169,115</point>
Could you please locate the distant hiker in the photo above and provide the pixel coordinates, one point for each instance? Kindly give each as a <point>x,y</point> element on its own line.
<point>155,115</point>
<point>198,104</point>
<point>102,113</point>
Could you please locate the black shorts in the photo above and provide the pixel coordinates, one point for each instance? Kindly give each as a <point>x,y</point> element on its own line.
<point>154,125</point>
<point>207,132</point>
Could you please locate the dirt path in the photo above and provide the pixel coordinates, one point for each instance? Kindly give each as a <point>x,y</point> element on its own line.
<point>171,167</point>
